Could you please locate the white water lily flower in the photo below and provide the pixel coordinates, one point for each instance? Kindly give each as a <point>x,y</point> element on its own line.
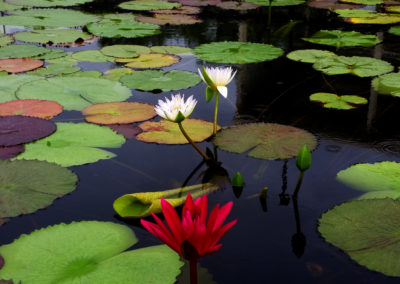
<point>220,77</point>
<point>176,109</point>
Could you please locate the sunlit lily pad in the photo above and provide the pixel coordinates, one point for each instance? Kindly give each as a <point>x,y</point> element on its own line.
<point>19,129</point>
<point>26,186</point>
<point>18,65</point>
<point>47,3</point>
<point>368,231</point>
<point>265,140</point>
<point>393,9</point>
<point>125,51</point>
<point>91,55</point>
<point>54,70</point>
<point>153,80</point>
<point>167,132</point>
<point>152,60</point>
<point>388,84</point>
<point>358,13</point>
<point>309,55</point>
<point>87,252</point>
<point>148,5</point>
<point>74,93</point>
<point>238,6</point>
<point>380,19</point>
<point>340,38</point>
<point>237,52</point>
<point>330,100</point>
<point>5,40</point>
<point>116,74</point>
<point>10,84</point>
<point>119,112</point>
<point>171,49</point>
<point>35,108</point>
<point>357,65</point>
<point>169,19</point>
<point>379,180</point>
<point>74,144</point>
<point>22,51</point>
<point>52,36</point>
<point>277,3</point>
<point>8,152</point>
<point>363,2</point>
<point>395,30</point>
<point>187,10</point>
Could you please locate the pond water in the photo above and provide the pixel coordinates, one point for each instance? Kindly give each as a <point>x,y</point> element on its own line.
<point>273,240</point>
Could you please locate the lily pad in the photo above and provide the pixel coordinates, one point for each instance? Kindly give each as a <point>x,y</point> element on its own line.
<point>277,3</point>
<point>152,60</point>
<point>5,40</point>
<point>119,112</point>
<point>74,144</point>
<point>87,252</point>
<point>380,180</point>
<point>395,30</point>
<point>153,80</point>
<point>148,5</point>
<point>388,84</point>
<point>54,70</point>
<point>238,6</point>
<point>52,36</point>
<point>91,56</point>
<point>167,132</point>
<point>237,52</point>
<point>116,74</point>
<point>356,65</point>
<point>368,231</point>
<point>265,140</point>
<point>309,55</point>
<point>363,2</point>
<point>74,93</point>
<point>125,51</point>
<point>34,108</point>
<point>171,49</point>
<point>10,84</point>
<point>379,19</point>
<point>199,3</point>
<point>47,3</point>
<point>5,7</point>
<point>393,9</point>
<point>187,10</point>
<point>340,38</point>
<point>8,152</point>
<point>330,100</point>
<point>22,51</point>
<point>358,13</point>
<point>19,129</point>
<point>18,65</point>
<point>169,19</point>
<point>331,5</point>
<point>51,54</point>
<point>129,131</point>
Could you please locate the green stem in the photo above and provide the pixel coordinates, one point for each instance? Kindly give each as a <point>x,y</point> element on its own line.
<point>269,14</point>
<point>216,113</point>
<point>191,142</point>
<point>299,180</point>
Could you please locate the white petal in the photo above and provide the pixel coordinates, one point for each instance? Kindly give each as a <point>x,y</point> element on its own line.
<point>223,91</point>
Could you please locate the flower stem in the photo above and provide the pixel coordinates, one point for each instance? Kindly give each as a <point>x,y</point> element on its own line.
<point>191,142</point>
<point>193,270</point>
<point>216,113</point>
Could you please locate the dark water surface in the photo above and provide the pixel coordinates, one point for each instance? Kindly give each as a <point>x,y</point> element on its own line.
<point>266,245</point>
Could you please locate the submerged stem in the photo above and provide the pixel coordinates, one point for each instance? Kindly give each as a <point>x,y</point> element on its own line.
<point>193,270</point>
<point>191,142</point>
<point>216,113</point>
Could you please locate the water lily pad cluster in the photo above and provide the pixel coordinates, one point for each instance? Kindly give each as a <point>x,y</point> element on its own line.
<point>344,102</point>
<point>340,38</point>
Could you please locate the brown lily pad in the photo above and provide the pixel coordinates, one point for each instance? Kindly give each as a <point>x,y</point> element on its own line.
<point>8,152</point>
<point>152,60</point>
<point>129,131</point>
<point>332,5</point>
<point>187,10</point>
<point>19,129</point>
<point>238,6</point>
<point>167,132</point>
<point>169,19</point>
<point>18,65</point>
<point>35,108</point>
<point>118,112</point>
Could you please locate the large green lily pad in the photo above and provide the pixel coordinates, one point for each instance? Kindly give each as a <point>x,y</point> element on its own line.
<point>74,93</point>
<point>170,19</point>
<point>47,3</point>
<point>5,40</point>
<point>388,84</point>
<point>368,231</point>
<point>237,52</point>
<point>5,7</point>
<point>309,55</point>
<point>125,51</point>
<point>10,84</point>
<point>52,36</point>
<point>380,180</point>
<point>87,252</point>
<point>357,65</point>
<point>152,60</point>
<point>330,100</point>
<point>152,80</point>
<point>74,144</point>
<point>340,38</point>
<point>265,140</point>
<point>26,186</point>
<point>54,70</point>
<point>91,55</point>
<point>148,5</point>
<point>22,51</point>
<point>357,13</point>
<point>167,132</point>
<point>116,74</point>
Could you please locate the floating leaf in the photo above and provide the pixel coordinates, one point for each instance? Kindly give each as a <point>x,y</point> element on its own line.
<point>119,112</point>
<point>9,152</point>
<point>309,55</point>
<point>54,70</point>
<point>363,2</point>
<point>142,204</point>
<point>10,84</point>
<point>18,65</point>
<point>52,36</point>
<point>34,108</point>
<point>167,132</point>
<point>151,80</point>
<point>357,65</point>
<point>74,144</point>
<point>368,231</point>
<point>74,93</point>
<point>358,13</point>
<point>47,3</point>
<point>187,10</point>
<point>26,186</point>
<point>393,9</point>
<point>21,51</point>
<point>89,74</point>
<point>91,56</point>
<point>340,38</point>
<point>171,49</point>
<point>238,6</point>
<point>5,40</point>
<point>152,60</point>
<point>237,52</point>
<point>395,30</point>
<point>87,252</point>
<point>116,74</point>
<point>22,129</point>
<point>265,140</point>
<point>51,54</point>
<point>4,7</point>
<point>388,84</point>
<point>331,5</point>
<point>125,51</point>
<point>278,3</point>
<point>338,102</point>
<point>148,5</point>
<point>169,19</point>
<point>380,180</point>
<point>199,3</point>
<point>129,131</point>
<point>380,19</point>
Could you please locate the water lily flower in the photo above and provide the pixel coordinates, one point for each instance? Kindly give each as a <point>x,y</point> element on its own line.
<point>217,78</point>
<point>176,109</point>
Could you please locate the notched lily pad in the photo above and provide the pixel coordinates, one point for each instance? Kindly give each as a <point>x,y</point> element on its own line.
<point>34,108</point>
<point>330,100</point>
<point>169,19</point>
<point>340,38</point>
<point>18,65</point>
<point>125,50</point>
<point>265,140</point>
<point>388,84</point>
<point>309,55</point>
<point>152,60</point>
<point>91,56</point>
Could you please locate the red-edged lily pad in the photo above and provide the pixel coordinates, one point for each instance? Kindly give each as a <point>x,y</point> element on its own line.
<point>169,19</point>
<point>188,10</point>
<point>17,65</point>
<point>8,152</point>
<point>129,131</point>
<point>35,108</point>
<point>118,112</point>
<point>18,129</point>
<point>151,60</point>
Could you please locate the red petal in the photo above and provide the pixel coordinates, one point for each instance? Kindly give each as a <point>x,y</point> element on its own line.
<point>212,218</point>
<point>155,230</point>
<point>217,235</point>
<point>173,220</point>
<point>176,246</point>
<point>189,204</point>
<point>222,214</point>
<point>202,203</point>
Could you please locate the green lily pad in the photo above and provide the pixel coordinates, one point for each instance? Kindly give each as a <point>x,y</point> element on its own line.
<point>395,30</point>
<point>51,54</point>
<point>75,93</point>
<point>339,38</point>
<point>22,51</point>
<point>187,10</point>
<point>393,9</point>
<point>27,186</point>
<point>47,3</point>
<point>379,19</point>
<point>52,36</point>
<point>170,19</point>
<point>330,100</point>
<point>388,84</point>
<point>89,74</point>
<point>5,40</point>
<point>380,179</point>
<point>152,80</point>
<point>54,70</point>
<point>125,51</point>
<point>171,49</point>
<point>167,132</point>
<point>358,13</point>
<point>10,84</point>
<point>277,3</point>
<point>152,60</point>
<point>65,60</point>
<point>148,5</point>
<point>237,52</point>
<point>265,140</point>
<point>91,56</point>
<point>86,252</point>
<point>363,2</point>
<point>356,65</point>
<point>116,74</point>
<point>74,144</point>
<point>368,231</point>
<point>48,18</point>
<point>309,55</point>
<point>5,7</point>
